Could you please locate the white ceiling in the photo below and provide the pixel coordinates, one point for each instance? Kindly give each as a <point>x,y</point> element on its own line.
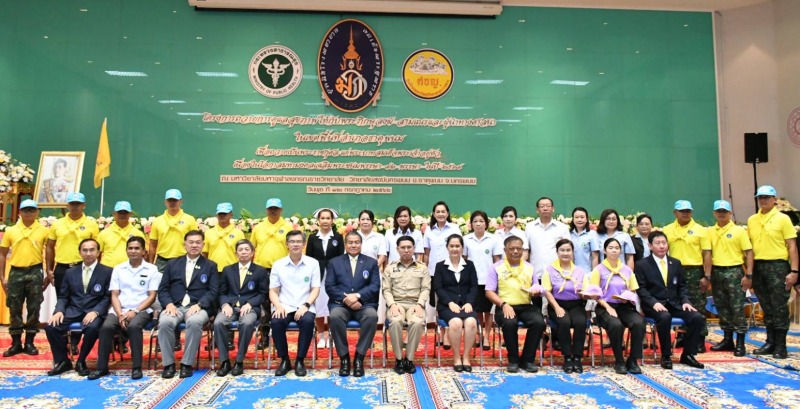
<point>683,5</point>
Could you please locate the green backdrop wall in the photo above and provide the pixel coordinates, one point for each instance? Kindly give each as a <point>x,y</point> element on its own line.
<point>640,134</point>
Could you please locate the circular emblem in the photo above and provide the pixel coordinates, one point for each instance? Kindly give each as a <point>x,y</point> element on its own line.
<point>142,283</point>
<point>486,251</point>
<point>375,247</point>
<point>729,235</point>
<point>306,279</point>
<point>691,232</point>
<point>334,242</point>
<point>180,222</point>
<point>428,74</point>
<point>251,285</point>
<point>793,126</point>
<point>97,288</point>
<point>365,274</point>
<point>83,227</point>
<point>203,278</point>
<point>275,71</point>
<point>231,236</point>
<point>350,65</point>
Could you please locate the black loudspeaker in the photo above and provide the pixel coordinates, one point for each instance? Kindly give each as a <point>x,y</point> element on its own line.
<point>755,148</point>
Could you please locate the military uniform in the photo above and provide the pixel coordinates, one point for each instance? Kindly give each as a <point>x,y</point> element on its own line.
<point>24,282</point>
<point>406,286</point>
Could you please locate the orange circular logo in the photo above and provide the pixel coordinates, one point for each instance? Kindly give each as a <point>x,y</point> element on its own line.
<point>428,74</point>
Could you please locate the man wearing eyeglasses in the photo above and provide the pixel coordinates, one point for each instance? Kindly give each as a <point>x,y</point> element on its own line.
<point>25,281</point>
<point>293,288</point>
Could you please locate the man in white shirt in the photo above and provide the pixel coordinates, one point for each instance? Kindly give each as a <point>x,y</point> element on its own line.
<point>293,288</point>
<point>134,285</point>
<point>543,234</point>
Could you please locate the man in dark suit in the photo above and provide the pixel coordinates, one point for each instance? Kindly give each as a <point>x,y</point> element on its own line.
<point>664,294</point>
<point>353,283</point>
<point>188,289</point>
<point>242,289</point>
<point>83,297</point>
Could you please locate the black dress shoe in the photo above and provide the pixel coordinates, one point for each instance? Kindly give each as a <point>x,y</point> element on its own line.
<point>619,368</point>
<point>577,365</point>
<point>238,369</point>
<point>567,367</point>
<point>81,369</point>
<point>284,367</point>
<point>30,349</point>
<point>512,368</point>
<point>358,366</point>
<point>344,367</point>
<point>186,371</point>
<point>61,367</point>
<point>458,368</point>
<point>168,372</point>
<point>467,368</point>
<point>16,348</point>
<point>529,367</point>
<point>224,368</point>
<point>666,362</point>
<point>399,368</point>
<point>409,366</point>
<point>300,368</point>
<point>97,374</point>
<point>633,367</point>
<point>691,361</point>
<point>136,373</point>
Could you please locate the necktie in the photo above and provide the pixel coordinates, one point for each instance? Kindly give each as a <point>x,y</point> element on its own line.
<point>87,274</point>
<point>664,270</point>
<point>353,261</point>
<point>189,271</point>
<point>242,275</point>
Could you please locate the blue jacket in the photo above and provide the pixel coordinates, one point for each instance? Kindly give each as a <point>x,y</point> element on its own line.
<point>339,279</point>
<point>202,288</point>
<point>74,302</point>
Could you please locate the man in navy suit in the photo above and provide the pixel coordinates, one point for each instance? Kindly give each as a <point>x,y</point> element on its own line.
<point>242,289</point>
<point>664,294</point>
<point>353,283</point>
<point>83,297</point>
<point>188,289</point>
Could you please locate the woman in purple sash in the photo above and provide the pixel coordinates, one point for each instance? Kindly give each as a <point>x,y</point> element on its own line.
<point>616,308</point>
<point>563,280</point>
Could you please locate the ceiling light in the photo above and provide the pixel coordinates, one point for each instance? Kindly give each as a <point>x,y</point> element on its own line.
<point>463,108</point>
<point>171,101</point>
<point>217,74</point>
<point>483,82</point>
<point>528,108</point>
<point>566,82</point>
<point>126,73</point>
<point>190,113</point>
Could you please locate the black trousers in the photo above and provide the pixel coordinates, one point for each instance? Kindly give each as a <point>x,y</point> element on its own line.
<point>111,327</point>
<point>532,319</point>
<point>695,322</point>
<point>58,341</point>
<point>627,317</point>
<point>574,318</point>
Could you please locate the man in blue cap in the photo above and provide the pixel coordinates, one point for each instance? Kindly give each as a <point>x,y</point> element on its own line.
<point>114,237</point>
<point>25,278</point>
<point>167,231</point>
<point>775,268</point>
<point>63,240</point>
<point>730,245</point>
<point>688,242</point>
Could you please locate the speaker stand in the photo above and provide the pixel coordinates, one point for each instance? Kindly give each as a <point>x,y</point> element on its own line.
<point>755,183</point>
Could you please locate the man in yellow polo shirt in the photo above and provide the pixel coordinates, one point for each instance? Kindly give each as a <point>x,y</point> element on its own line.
<point>63,241</point>
<point>27,238</point>
<point>774,242</point>
<point>220,240</point>
<point>114,238</point>
<point>168,230</point>
<point>730,247</point>
<point>269,237</point>
<point>687,242</point>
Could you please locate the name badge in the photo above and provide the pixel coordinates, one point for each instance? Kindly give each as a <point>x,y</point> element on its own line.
<point>251,285</point>
<point>203,278</point>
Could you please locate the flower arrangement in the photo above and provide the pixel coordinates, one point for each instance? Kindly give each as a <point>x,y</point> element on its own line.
<point>12,171</point>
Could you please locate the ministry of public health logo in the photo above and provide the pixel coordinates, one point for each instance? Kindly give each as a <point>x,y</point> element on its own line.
<point>428,74</point>
<point>275,71</point>
<point>350,66</point>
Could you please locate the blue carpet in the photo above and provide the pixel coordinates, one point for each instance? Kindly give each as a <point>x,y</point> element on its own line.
<point>729,385</point>
<point>755,338</point>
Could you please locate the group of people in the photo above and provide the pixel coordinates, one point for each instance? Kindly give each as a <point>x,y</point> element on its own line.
<point>113,282</point>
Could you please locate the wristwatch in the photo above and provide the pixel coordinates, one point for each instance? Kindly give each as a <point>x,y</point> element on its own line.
<point>307,305</point>
<point>135,310</point>
<point>794,271</point>
<point>748,276</point>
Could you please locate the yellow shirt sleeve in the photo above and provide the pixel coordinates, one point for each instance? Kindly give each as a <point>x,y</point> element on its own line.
<point>546,281</point>
<point>592,278</point>
<point>633,285</point>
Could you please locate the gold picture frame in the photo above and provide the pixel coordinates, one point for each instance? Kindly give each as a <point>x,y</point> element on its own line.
<point>59,173</point>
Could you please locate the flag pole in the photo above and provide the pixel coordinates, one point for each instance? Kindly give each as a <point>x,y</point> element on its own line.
<point>102,193</point>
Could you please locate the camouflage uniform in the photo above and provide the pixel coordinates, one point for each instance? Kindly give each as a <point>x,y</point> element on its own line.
<point>697,297</point>
<point>769,277</point>
<point>24,287</point>
<point>726,286</point>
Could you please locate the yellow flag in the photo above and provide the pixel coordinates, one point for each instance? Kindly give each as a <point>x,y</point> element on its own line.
<point>102,168</point>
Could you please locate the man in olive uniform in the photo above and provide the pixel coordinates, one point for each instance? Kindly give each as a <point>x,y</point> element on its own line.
<point>774,242</point>
<point>730,247</point>
<point>688,242</point>
<point>406,286</point>
<point>26,277</point>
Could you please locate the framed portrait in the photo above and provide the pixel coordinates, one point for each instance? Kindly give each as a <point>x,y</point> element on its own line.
<point>59,173</point>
